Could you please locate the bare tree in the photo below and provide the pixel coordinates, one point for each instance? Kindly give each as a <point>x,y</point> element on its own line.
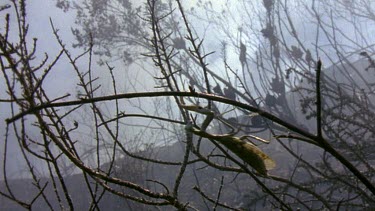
<point>216,137</point>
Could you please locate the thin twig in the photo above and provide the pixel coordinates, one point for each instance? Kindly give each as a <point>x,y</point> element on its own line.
<point>318,99</point>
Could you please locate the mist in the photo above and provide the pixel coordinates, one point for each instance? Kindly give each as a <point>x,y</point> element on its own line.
<point>198,105</point>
